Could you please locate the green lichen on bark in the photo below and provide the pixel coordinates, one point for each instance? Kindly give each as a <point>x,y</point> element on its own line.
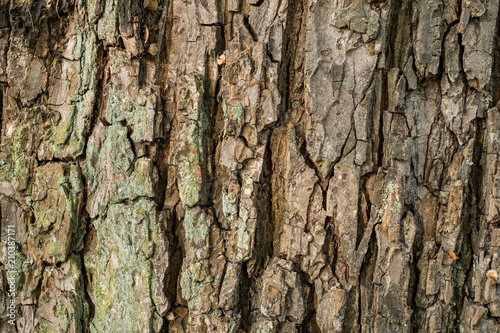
<point>120,267</point>
<point>56,199</point>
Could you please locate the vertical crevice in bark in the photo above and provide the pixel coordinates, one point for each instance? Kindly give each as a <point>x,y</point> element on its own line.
<point>97,103</point>
<point>214,132</point>
<point>168,214</point>
<point>33,12</point>
<point>383,108</point>
<point>164,40</point>
<point>415,256</point>
<point>310,324</point>
<point>244,290</point>
<point>474,210</point>
<point>176,256</point>
<point>364,208</point>
<point>365,279</point>
<point>399,16</point>
<point>288,53</point>
<point>415,278</point>
<point>209,111</point>
<point>168,218</point>
<point>265,231</point>
<point>330,246</point>
<point>1,110</point>
<point>285,74</point>
<point>495,79</point>
<point>162,148</point>
<point>87,243</point>
<point>90,232</point>
<point>352,315</point>
<point>442,58</point>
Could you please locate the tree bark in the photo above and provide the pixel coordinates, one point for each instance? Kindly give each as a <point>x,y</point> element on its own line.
<point>250,165</point>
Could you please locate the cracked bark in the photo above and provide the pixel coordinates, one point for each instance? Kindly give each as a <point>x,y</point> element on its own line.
<point>251,166</point>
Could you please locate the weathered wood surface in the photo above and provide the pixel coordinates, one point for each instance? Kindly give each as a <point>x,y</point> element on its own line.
<point>251,165</point>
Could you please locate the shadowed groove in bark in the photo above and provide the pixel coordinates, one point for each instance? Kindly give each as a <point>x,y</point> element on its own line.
<point>250,29</point>
<point>217,111</point>
<point>362,213</point>
<point>86,277</point>
<point>264,244</point>
<point>495,87</point>
<point>165,38</point>
<point>102,56</point>
<point>172,222</point>
<point>310,323</point>
<point>462,276</point>
<point>366,278</point>
<point>292,26</point>
<point>1,109</point>
<point>474,211</point>
<point>163,142</point>
<point>288,53</point>
<point>245,299</point>
<point>330,247</point>
<point>175,252</point>
<point>90,232</point>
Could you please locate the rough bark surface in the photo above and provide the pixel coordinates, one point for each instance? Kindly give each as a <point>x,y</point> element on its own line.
<point>251,165</point>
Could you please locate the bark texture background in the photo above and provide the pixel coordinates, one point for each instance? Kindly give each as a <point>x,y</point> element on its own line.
<point>251,165</point>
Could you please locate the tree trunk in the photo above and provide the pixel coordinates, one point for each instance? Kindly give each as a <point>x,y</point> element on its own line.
<point>250,166</point>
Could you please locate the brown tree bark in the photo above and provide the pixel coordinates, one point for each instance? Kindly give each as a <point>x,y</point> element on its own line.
<point>249,166</point>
